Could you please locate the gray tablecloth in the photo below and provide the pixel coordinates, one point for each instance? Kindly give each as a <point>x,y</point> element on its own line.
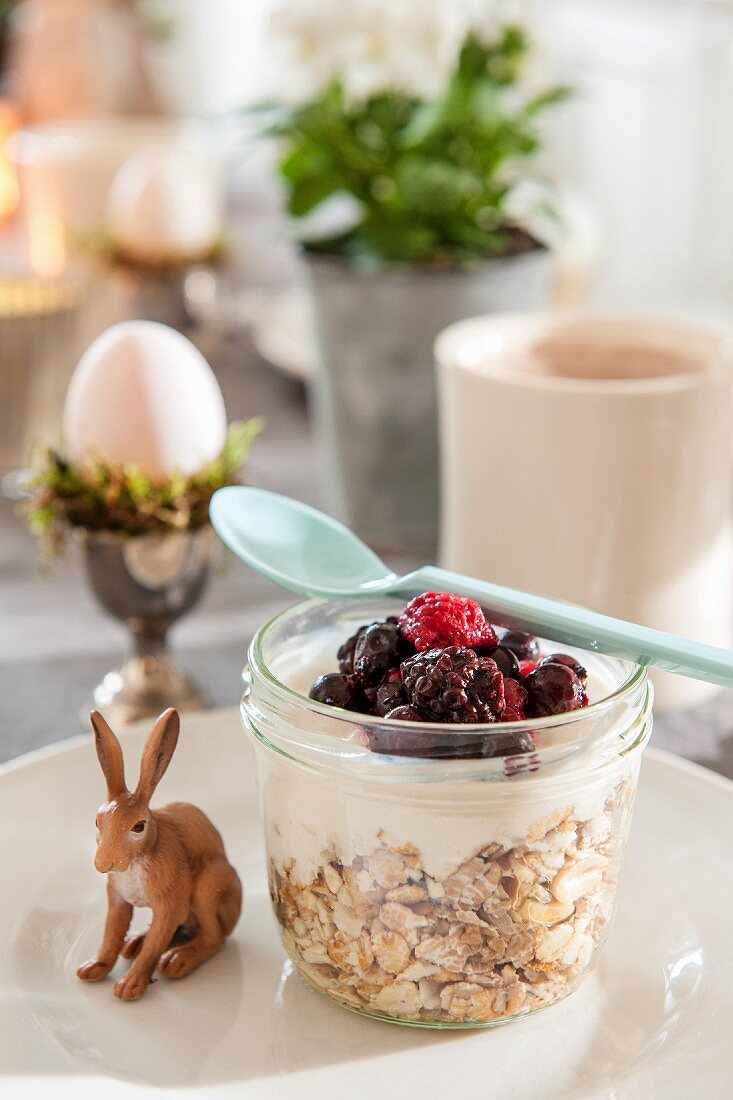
<point>55,644</point>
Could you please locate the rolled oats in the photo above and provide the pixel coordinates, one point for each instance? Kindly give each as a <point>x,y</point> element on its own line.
<point>578,879</point>
<point>391,950</point>
<point>509,930</point>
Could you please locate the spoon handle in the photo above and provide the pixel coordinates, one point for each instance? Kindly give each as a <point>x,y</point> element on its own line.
<point>579,627</point>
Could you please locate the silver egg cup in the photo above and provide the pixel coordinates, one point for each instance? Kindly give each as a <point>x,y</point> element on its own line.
<point>147,582</point>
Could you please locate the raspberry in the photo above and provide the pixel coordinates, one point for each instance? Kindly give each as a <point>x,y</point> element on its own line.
<point>438,619</point>
<point>337,690</point>
<point>454,685</point>
<point>553,689</point>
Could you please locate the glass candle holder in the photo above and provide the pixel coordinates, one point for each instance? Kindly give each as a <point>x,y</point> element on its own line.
<point>450,891</point>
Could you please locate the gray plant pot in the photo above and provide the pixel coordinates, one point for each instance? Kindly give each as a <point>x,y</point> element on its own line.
<point>375,392</point>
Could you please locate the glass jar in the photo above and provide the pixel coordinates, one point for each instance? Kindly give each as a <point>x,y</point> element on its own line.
<point>445,891</point>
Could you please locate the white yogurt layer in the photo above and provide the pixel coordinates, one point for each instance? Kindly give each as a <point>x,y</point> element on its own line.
<point>307,815</point>
<point>308,811</point>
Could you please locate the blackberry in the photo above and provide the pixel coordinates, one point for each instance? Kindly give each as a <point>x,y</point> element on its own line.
<point>337,690</point>
<point>553,689</point>
<point>454,685</point>
<point>524,646</point>
<point>566,659</point>
<point>377,649</point>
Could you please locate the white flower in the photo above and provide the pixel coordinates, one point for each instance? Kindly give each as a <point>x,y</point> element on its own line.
<point>376,45</point>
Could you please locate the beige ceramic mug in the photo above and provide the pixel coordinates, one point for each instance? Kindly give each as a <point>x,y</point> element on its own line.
<point>588,458</point>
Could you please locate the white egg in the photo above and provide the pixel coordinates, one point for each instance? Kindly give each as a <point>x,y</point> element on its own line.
<point>142,393</point>
<point>165,206</point>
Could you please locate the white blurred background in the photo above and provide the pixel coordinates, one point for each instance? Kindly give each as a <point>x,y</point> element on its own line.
<point>646,145</point>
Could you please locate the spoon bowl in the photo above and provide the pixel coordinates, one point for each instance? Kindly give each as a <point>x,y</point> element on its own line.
<point>296,546</point>
<point>309,553</point>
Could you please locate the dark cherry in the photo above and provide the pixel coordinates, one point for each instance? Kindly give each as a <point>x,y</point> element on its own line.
<point>553,689</point>
<point>337,690</point>
<point>379,648</point>
<point>395,742</point>
<point>404,713</point>
<point>566,659</point>
<point>505,659</point>
<point>444,745</point>
<point>389,695</point>
<point>524,646</point>
<point>501,743</point>
<point>345,652</point>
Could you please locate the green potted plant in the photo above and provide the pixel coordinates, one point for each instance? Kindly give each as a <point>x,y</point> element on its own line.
<point>420,131</point>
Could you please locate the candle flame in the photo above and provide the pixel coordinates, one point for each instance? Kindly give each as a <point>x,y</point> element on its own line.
<point>9,194</point>
<point>46,230</point>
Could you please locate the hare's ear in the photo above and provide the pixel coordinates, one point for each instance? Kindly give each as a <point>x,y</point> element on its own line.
<point>109,754</point>
<point>157,753</point>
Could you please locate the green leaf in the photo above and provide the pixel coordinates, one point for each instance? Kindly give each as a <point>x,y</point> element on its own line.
<point>308,193</point>
<point>550,98</point>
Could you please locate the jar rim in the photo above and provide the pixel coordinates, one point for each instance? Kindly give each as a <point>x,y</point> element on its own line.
<point>257,662</point>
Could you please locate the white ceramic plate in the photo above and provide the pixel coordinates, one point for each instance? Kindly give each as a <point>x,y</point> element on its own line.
<point>655,1020</point>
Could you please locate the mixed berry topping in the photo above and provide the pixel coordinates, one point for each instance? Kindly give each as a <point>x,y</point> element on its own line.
<point>443,662</point>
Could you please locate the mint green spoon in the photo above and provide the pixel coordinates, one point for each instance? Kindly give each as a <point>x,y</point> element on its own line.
<point>309,553</point>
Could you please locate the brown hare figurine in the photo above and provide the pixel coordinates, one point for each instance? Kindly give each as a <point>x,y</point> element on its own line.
<point>172,860</point>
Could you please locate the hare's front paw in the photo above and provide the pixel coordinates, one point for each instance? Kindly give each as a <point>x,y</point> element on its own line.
<point>93,970</point>
<point>131,985</point>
